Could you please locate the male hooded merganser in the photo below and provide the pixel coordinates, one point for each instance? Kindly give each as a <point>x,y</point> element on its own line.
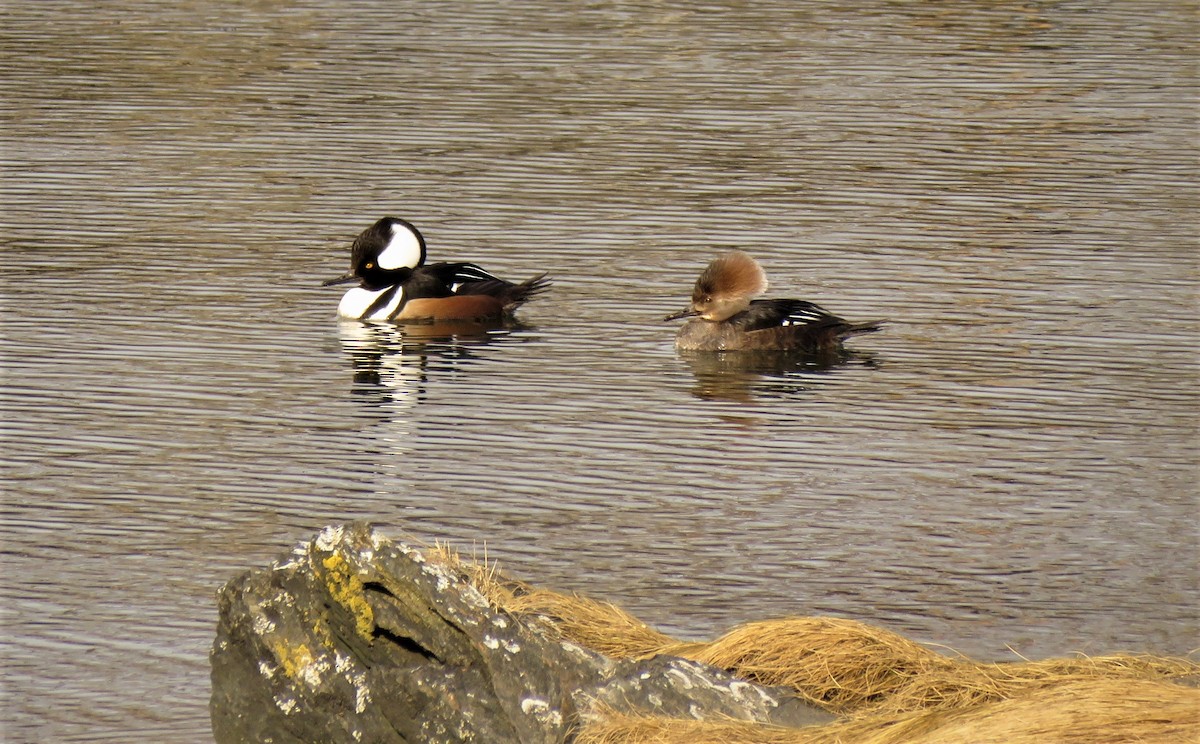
<point>725,318</point>
<point>388,261</point>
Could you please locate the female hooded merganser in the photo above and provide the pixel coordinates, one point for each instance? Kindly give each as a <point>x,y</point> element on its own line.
<point>725,318</point>
<point>388,261</point>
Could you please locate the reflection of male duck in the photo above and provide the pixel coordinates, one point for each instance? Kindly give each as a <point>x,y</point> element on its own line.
<point>384,370</point>
<point>725,318</point>
<point>392,370</point>
<point>393,363</point>
<point>388,262</point>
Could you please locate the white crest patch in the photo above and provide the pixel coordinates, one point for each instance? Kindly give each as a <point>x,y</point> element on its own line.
<point>403,250</point>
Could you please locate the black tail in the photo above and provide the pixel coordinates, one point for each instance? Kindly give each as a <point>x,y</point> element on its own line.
<point>519,294</point>
<point>857,329</point>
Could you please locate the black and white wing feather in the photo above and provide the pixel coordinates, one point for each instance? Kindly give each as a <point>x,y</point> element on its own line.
<point>456,275</point>
<point>764,314</point>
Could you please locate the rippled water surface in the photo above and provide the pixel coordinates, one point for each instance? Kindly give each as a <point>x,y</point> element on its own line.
<point>1011,464</point>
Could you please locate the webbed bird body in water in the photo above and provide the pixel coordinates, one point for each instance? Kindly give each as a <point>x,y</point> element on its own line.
<point>724,316</point>
<point>395,284</point>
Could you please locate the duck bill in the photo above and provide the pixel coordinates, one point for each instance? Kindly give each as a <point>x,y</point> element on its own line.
<point>345,279</point>
<point>686,313</point>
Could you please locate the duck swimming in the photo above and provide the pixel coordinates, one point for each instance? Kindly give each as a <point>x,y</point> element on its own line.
<point>723,316</point>
<point>395,284</point>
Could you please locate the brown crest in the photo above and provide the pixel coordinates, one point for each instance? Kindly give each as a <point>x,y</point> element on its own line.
<point>733,274</point>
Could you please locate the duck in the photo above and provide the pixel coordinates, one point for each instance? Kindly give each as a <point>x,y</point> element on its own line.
<point>387,260</point>
<point>724,316</point>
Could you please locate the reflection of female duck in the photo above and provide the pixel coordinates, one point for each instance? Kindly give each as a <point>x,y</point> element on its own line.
<point>725,318</point>
<point>388,261</point>
<point>746,375</point>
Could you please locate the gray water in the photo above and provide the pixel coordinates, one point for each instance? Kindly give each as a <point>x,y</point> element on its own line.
<point>1012,464</point>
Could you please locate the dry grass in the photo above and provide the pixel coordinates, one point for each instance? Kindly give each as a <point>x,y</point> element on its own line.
<point>613,727</point>
<point>1067,711</point>
<point>890,688</point>
<point>838,664</point>
<point>1076,712</point>
<point>845,665</point>
<point>600,626</point>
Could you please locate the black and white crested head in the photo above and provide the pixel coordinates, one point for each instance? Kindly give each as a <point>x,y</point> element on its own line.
<point>389,244</point>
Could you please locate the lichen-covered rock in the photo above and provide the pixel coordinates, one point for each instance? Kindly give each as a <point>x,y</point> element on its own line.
<point>354,638</point>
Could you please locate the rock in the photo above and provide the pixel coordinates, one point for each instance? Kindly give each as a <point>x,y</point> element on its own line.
<point>354,638</point>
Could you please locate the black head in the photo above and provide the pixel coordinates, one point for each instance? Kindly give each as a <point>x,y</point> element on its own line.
<point>384,254</point>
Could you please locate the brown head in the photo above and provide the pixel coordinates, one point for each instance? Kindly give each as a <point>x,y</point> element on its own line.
<point>726,287</point>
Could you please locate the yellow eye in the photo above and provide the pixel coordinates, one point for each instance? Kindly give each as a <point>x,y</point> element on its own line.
<point>370,264</point>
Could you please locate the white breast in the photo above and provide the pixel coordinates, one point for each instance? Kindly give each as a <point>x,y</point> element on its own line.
<point>356,301</point>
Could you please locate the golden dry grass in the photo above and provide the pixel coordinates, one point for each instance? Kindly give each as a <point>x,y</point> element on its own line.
<point>889,688</point>
<point>600,626</point>
<point>838,664</point>
<point>845,665</point>
<point>1093,711</point>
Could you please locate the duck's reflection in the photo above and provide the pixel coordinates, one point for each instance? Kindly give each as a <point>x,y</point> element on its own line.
<point>743,376</point>
<point>393,363</point>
